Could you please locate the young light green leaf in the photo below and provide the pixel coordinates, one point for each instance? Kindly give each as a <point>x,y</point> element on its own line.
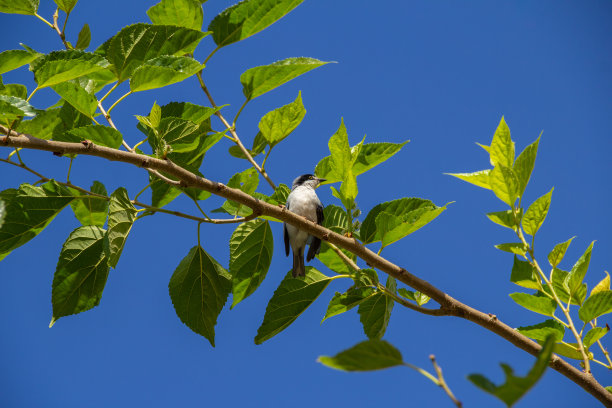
<point>199,288</point>
<point>248,17</point>
<point>332,260</point>
<point>279,123</point>
<point>66,5</point>
<point>343,302</point>
<point>289,301</point>
<point>542,330</point>
<point>81,273</point>
<point>368,355</point>
<point>539,304</point>
<point>392,228</point>
<point>513,247</point>
<point>416,296</point>
<point>98,134</point>
<point>12,108</point>
<point>259,80</point>
<point>596,305</point>
<point>536,213</point>
<point>515,387</point>
<point>603,284</point>
<point>80,94</point>
<point>365,277</point>
<point>62,66</point>
<point>523,274</point>
<point>375,312</point>
<point>181,13</point>
<point>28,211</point>
<point>570,350</point>
<point>13,59</point>
<point>505,218</point>
<point>251,248</point>
<point>163,71</point>
<point>84,38</point>
<point>556,255</point>
<point>576,276</point>
<point>594,334</point>
<point>28,7</point>
<point>121,217</point>
<point>504,184</point>
<point>501,150</point>
<point>558,283</point>
<point>91,210</point>
<point>523,166</point>
<point>478,178</point>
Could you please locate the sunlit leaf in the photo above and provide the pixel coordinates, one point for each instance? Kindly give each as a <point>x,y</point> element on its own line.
<point>375,312</point>
<point>62,66</point>
<point>513,247</point>
<point>556,255</point>
<point>121,217</point>
<point>603,284</point>
<point>79,93</point>
<point>98,134</point>
<point>66,5</point>
<point>542,330</point>
<point>18,90</point>
<point>504,184</point>
<point>502,147</point>
<point>19,6</point>
<point>162,71</point>
<point>523,166</point>
<point>576,276</point>
<point>539,304</point>
<point>536,213</point>
<point>558,280</point>
<point>13,59</point>
<point>416,296</point>
<point>182,13</point>
<point>478,178</point>
<point>343,302</point>
<point>523,274</point>
<point>12,107</point>
<point>594,334</point>
<point>505,218</point>
<point>596,305</point>
<point>91,210</point>
<point>279,123</point>
<point>84,38</point>
<point>368,355</point>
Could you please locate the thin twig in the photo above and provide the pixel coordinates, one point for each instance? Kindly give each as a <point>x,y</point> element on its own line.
<point>442,382</point>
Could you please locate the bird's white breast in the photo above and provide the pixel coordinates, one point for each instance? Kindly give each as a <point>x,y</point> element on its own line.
<point>304,201</point>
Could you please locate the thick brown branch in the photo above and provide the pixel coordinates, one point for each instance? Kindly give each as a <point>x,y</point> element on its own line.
<point>451,306</point>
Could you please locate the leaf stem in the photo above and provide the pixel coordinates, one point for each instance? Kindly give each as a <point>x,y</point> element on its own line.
<point>442,382</point>
<point>211,54</point>
<point>142,191</point>
<point>239,112</point>
<point>69,169</point>
<point>43,20</point>
<point>406,303</point>
<point>125,95</point>
<point>109,92</point>
<point>32,94</point>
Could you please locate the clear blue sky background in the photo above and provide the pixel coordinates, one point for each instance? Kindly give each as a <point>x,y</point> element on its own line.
<point>440,73</point>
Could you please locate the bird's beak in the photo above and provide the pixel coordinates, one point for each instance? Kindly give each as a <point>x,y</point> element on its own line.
<point>321,180</point>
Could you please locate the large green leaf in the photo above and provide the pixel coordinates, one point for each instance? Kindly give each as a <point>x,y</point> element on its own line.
<point>332,260</point>
<point>505,218</point>
<point>28,7</point>
<point>595,334</point>
<point>121,217</point>
<point>199,288</point>
<point>162,193</point>
<point>536,213</point>
<point>18,90</point>
<point>248,17</point>
<point>137,43</point>
<point>574,279</point>
<point>246,181</point>
<point>375,312</point>
<point>182,13</point>
<point>478,178</point>
<point>62,66</point>
<point>251,247</point>
<point>603,284</point>
<point>515,387</point>
<point>66,5</point>
<point>504,184</point>
<point>12,108</point>
<point>42,125</point>
<point>343,302</point>
<point>523,274</point>
<point>69,118</point>
<point>81,273</point>
<point>98,134</point>
<point>403,216</point>
<point>259,80</point>
<point>182,141</point>
<point>289,301</point>
<point>79,93</point>
<point>542,330</point>
<point>539,304</point>
<point>523,166</point>
<point>162,71</point>
<point>91,210</point>
<point>570,350</point>
<point>596,305</point>
<point>12,59</point>
<point>28,211</point>
<point>2,212</point>
<point>501,150</point>
<point>279,123</point>
<point>341,156</point>
<point>368,355</point>
<point>556,255</point>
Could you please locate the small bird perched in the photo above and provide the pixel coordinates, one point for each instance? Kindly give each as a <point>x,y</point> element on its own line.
<point>303,201</point>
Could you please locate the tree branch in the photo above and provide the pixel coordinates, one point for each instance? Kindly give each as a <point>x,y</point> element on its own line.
<point>451,306</point>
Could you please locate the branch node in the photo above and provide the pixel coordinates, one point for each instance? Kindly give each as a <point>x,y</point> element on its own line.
<point>492,317</point>
<point>58,154</point>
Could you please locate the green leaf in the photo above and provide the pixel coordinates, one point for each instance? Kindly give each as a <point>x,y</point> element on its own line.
<point>121,217</point>
<point>137,43</point>
<point>290,299</point>
<point>343,302</point>
<point>558,282</point>
<point>18,90</point>
<point>596,305</point>
<point>12,108</point>
<point>81,273</point>
<point>579,270</point>
<point>478,178</point>
<point>368,355</point>
<point>556,255</point>
<point>416,296</point>
<point>28,211</point>
<point>412,213</point>
<point>248,17</point>
<point>539,304</point>
<point>335,219</point>
<point>536,213</point>
<point>199,288</point>
<point>182,13</point>
<point>542,330</point>
<point>515,387</point>
<point>604,284</point>
<point>182,141</point>
<point>523,274</point>
<point>570,350</point>
<point>80,94</point>
<point>66,5</point>
<point>279,123</point>
<point>62,66</point>
<point>91,210</point>
<point>513,247</point>
<point>13,59</point>
<point>251,248</point>
<point>392,228</point>
<point>163,71</point>
<point>504,184</point>
<point>501,150</point>
<point>69,118</point>
<point>42,125</point>
<point>28,7</point>
<point>523,166</point>
<point>594,334</point>
<point>375,312</point>
<point>84,38</point>
<point>332,260</point>
<point>246,181</point>
<point>98,134</point>
<point>341,156</point>
<point>259,80</point>
<point>162,193</point>
<point>504,218</point>
<point>366,277</point>
<point>2,213</point>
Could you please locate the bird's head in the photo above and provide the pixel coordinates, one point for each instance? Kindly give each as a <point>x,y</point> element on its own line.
<point>308,180</point>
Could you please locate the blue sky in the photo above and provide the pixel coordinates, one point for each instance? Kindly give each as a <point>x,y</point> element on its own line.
<point>438,73</point>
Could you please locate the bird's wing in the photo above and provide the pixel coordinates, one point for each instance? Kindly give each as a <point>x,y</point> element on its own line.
<point>320,216</point>
<point>286,234</point>
<point>315,244</point>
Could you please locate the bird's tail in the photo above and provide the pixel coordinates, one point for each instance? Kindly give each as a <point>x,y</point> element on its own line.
<point>298,265</point>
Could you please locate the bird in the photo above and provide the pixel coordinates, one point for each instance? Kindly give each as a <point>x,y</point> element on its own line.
<point>303,200</point>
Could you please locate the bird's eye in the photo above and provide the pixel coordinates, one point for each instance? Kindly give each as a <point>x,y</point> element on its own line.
<point>311,178</point>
